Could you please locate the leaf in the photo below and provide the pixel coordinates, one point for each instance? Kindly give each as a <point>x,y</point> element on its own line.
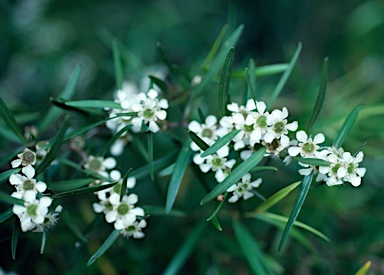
<point>213,215</point>
<point>83,190</point>
<point>263,70</point>
<point>216,64</point>
<point>76,166</point>
<point>150,156</point>
<point>202,116</point>
<point>284,77</point>
<point>320,95</point>
<point>67,93</point>
<point>15,238</point>
<point>225,80</point>
<point>235,175</point>
<point>84,129</point>
<point>66,185</point>
<point>153,210</point>
<point>104,247</point>
<point>43,241</point>
<point>6,215</point>
<point>296,223</point>
<point>251,249</point>
<point>304,188</point>
<point>220,143</point>
<point>185,250</point>
<point>51,155</point>
<point>124,184</point>
<point>5,175</point>
<point>117,64</point>
<point>68,220</point>
<point>160,83</point>
<point>216,223</point>
<point>167,170</point>
<point>114,138</point>
<point>312,161</point>
<point>357,151</point>
<point>251,79</point>
<point>348,123</point>
<point>215,48</point>
<point>364,269</point>
<point>177,175</point>
<point>199,142</point>
<point>60,103</point>
<point>8,118</point>
<point>94,104</point>
<point>262,168</point>
<point>9,199</point>
<point>275,198</point>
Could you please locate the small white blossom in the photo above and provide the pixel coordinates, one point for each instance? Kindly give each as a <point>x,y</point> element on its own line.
<point>208,131</point>
<point>279,126</point>
<point>134,230</point>
<point>99,164</point>
<point>243,189</point>
<point>27,185</point>
<point>306,147</point>
<point>25,158</point>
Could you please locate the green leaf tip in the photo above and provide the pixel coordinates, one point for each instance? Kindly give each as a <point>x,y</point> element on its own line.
<point>225,80</point>
<point>348,123</point>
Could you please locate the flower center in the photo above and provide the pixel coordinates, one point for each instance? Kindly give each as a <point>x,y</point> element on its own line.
<point>108,206</point>
<point>217,162</point>
<point>28,158</point>
<point>351,168</point>
<point>28,185</point>
<point>117,188</point>
<point>335,168</point>
<point>32,210</point>
<point>248,128</point>
<point>279,127</point>
<point>131,228</point>
<point>148,113</point>
<point>308,148</point>
<point>207,133</point>
<point>262,121</point>
<point>123,209</point>
<point>271,147</point>
<point>95,164</point>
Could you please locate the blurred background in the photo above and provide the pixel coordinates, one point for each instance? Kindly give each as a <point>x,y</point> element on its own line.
<point>41,42</point>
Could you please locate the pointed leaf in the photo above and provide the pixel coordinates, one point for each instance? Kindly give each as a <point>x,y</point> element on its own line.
<point>160,83</point>
<point>15,238</point>
<point>83,190</point>
<point>117,64</point>
<point>114,138</point>
<point>5,175</point>
<point>68,220</point>
<point>124,184</point>
<point>357,151</point>
<point>202,116</point>
<point>43,242</point>
<point>213,215</point>
<point>225,80</point>
<point>216,223</point>
<point>150,156</point>
<point>9,199</point>
<point>215,48</point>
<point>153,210</point>
<point>66,185</point>
<point>348,123</point>
<point>262,168</point>
<point>94,104</point>
<point>284,78</point>
<point>60,103</point>
<point>235,175</point>
<point>251,78</point>
<point>263,70</point>
<point>185,250</point>
<point>220,143</point>
<point>304,188</point>
<point>199,142</point>
<point>77,167</point>
<point>6,215</point>
<point>312,161</point>
<point>8,118</point>
<point>251,250</point>
<point>104,247</point>
<point>320,95</point>
<point>178,173</point>
<point>364,269</point>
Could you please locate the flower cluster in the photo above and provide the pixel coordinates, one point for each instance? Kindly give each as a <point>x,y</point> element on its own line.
<point>34,214</point>
<point>144,111</point>
<point>122,213</point>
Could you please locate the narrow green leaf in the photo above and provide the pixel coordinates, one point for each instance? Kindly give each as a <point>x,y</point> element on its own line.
<point>105,246</point>
<point>167,170</point>
<point>320,95</point>
<point>9,199</point>
<point>114,138</point>
<point>94,104</point>
<point>262,168</point>
<point>185,250</point>
<point>67,93</point>
<point>216,64</point>
<point>60,103</point>
<point>312,161</point>
<point>68,220</point>
<point>199,142</point>
<point>213,215</point>
<point>215,48</point>
<point>251,78</point>
<point>117,64</point>
<point>251,249</point>
<point>160,83</point>
<point>6,215</point>
<point>348,123</point>
<point>235,175</point>
<point>157,210</point>
<point>225,80</point>
<point>8,134</point>
<point>364,269</point>
<point>66,185</point>
<point>263,71</point>
<point>247,88</point>
<point>296,223</point>
<point>77,167</point>
<point>124,184</point>
<point>357,151</point>
<point>150,156</point>
<point>43,242</point>
<point>216,223</point>
<point>83,190</point>
<point>84,129</point>
<point>5,175</point>
<point>15,238</point>
<point>304,188</point>
<point>177,176</point>
<point>284,78</point>
<point>8,118</point>
<point>202,116</point>
<point>51,155</point>
<point>275,198</point>
<point>220,143</point>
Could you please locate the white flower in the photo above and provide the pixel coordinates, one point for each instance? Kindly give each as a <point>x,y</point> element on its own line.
<point>50,220</point>
<point>32,213</point>
<point>99,164</point>
<point>134,230</point>
<point>115,175</point>
<point>279,126</point>
<point>25,158</point>
<point>124,213</point>
<point>277,145</point>
<point>261,125</point>
<point>245,110</point>
<point>206,131</point>
<point>306,147</point>
<point>353,172</point>
<point>27,185</point>
<point>243,189</point>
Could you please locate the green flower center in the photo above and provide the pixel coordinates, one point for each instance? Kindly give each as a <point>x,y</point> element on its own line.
<point>108,206</point>
<point>28,185</point>
<point>240,189</point>
<point>335,168</point>
<point>262,121</point>
<point>279,127</point>
<point>131,229</point>
<point>273,145</point>
<point>95,164</point>
<point>123,209</point>
<point>28,158</point>
<point>148,113</point>
<point>248,128</point>
<point>117,188</point>
<point>351,168</point>
<point>32,210</point>
<point>217,162</point>
<point>207,133</point>
<point>308,147</point>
